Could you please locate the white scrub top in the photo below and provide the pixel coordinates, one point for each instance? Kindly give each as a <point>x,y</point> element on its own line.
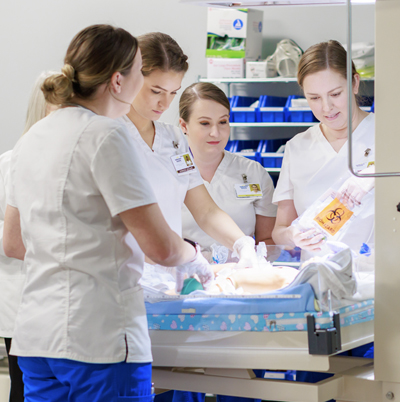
<point>311,166</point>
<point>169,187</point>
<point>71,175</point>
<point>11,273</point>
<point>222,190</point>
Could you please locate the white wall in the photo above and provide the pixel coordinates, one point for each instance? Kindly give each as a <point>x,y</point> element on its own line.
<point>309,25</point>
<point>35,35</point>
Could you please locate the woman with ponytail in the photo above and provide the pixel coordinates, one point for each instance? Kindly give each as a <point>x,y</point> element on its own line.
<point>174,177</point>
<point>12,276</point>
<point>79,214</point>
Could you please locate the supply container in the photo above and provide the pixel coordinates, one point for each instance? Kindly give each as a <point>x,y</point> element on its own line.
<point>248,148</point>
<point>225,68</point>
<point>234,33</point>
<point>271,109</point>
<point>367,104</point>
<point>288,375</point>
<point>256,69</point>
<point>268,155</point>
<point>298,111</point>
<point>243,109</point>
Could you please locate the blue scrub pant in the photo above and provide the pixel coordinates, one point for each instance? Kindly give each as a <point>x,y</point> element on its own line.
<point>63,380</point>
<point>186,396</point>
<point>366,351</point>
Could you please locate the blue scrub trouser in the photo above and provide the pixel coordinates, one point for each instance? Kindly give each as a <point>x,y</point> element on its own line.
<point>186,396</point>
<point>63,380</point>
<point>366,351</point>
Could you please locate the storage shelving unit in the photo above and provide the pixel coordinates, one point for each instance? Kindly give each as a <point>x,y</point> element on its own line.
<point>276,86</point>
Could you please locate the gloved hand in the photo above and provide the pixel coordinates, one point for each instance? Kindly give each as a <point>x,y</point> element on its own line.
<point>310,240</point>
<point>199,266</point>
<point>244,249</point>
<point>354,189</point>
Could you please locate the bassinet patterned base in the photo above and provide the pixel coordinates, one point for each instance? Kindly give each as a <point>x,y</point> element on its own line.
<point>271,322</point>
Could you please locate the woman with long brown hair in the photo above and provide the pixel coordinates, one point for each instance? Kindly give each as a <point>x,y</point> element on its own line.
<point>165,149</point>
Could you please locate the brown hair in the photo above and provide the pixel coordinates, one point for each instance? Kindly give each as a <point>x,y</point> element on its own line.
<point>200,90</point>
<point>323,56</point>
<point>93,56</point>
<point>161,52</point>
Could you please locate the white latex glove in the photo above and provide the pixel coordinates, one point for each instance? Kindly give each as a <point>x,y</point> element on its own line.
<point>199,266</point>
<point>355,188</point>
<point>310,240</point>
<point>244,249</point>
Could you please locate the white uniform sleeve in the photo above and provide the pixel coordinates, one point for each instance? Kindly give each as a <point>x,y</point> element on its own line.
<point>9,187</point>
<point>284,187</point>
<point>195,179</point>
<point>264,206</point>
<point>2,210</point>
<point>119,174</point>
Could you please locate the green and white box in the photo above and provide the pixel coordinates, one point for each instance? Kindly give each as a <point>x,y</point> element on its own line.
<point>234,33</point>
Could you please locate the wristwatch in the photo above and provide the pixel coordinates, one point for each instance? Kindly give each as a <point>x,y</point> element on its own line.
<point>194,244</point>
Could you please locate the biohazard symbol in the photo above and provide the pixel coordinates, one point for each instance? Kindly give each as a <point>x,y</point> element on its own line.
<point>335,215</point>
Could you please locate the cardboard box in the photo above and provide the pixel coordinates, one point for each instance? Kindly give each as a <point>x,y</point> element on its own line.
<point>225,68</point>
<point>234,33</point>
<point>256,69</point>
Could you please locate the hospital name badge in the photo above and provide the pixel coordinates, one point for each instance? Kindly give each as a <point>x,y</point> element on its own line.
<point>183,163</point>
<point>248,190</point>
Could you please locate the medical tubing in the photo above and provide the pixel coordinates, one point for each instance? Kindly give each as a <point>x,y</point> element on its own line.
<point>350,104</point>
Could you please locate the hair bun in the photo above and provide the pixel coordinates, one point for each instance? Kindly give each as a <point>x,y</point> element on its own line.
<point>69,72</point>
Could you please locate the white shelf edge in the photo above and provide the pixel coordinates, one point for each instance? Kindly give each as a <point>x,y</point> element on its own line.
<point>256,80</point>
<point>272,124</point>
<point>247,80</point>
<point>272,170</point>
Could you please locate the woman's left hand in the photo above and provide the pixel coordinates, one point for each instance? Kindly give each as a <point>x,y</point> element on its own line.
<point>244,249</point>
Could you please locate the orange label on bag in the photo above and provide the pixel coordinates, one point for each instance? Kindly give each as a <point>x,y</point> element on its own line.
<point>333,217</point>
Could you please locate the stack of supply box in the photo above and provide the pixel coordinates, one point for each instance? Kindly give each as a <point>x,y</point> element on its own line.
<point>233,37</point>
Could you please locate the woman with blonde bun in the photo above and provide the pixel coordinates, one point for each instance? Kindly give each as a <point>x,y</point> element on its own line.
<point>81,215</point>
<point>11,273</point>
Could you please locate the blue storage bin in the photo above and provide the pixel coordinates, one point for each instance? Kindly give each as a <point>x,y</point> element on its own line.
<point>268,155</point>
<point>229,145</point>
<point>367,104</point>
<point>289,375</point>
<point>241,111</point>
<point>271,159</point>
<point>271,109</point>
<point>230,112</point>
<point>247,148</point>
<point>298,114</point>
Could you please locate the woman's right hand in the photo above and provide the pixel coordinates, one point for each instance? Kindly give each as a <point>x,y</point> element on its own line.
<point>310,240</point>
<point>198,266</point>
